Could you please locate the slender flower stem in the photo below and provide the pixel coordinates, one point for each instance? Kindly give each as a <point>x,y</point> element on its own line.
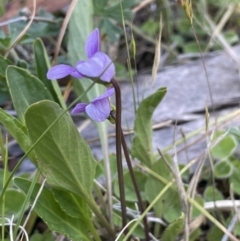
<point>119,151</point>
<point>127,157</point>
<point>130,168</point>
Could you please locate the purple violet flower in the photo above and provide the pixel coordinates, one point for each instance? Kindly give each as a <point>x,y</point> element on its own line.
<point>98,65</point>
<point>99,109</point>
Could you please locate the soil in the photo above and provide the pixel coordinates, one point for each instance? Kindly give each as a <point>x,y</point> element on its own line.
<point>14,6</point>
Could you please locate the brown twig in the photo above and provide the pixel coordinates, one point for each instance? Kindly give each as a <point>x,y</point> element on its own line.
<point>63,30</point>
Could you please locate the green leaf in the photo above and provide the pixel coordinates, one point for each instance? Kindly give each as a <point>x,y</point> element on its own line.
<point>72,204</point>
<point>4,63</point>
<point>172,231</point>
<point>231,37</point>
<point>195,212</point>
<point>192,47</point>
<point>235,180</point>
<point>99,5</point>
<point>43,64</point>
<point>100,170</point>
<point>13,202</point>
<point>224,147</point>
<point>235,131</point>
<point>223,169</point>
<point>22,64</point>
<point>195,234</point>
<point>25,89</point>
<point>214,233</point>
<point>130,194</point>
<point>1,8</point>
<point>52,214</point>
<point>236,228</point>
<point>154,186</point>
<point>212,194</point>
<point>18,131</point>
<point>138,231</point>
<point>46,236</point>
<point>142,142</point>
<point>1,180</point>
<point>168,206</point>
<point>115,12</point>
<point>64,157</point>
<point>150,27</point>
<point>186,175</point>
<point>5,42</point>
<point>4,95</point>
<point>110,28</point>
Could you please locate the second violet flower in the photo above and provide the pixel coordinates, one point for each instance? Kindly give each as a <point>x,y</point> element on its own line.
<point>99,109</point>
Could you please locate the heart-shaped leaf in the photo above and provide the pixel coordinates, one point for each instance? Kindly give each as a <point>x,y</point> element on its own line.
<point>223,169</point>
<point>211,193</point>
<point>173,229</point>
<point>224,147</point>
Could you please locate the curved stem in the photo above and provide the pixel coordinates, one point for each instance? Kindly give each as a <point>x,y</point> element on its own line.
<point>127,157</point>
<point>119,151</point>
<point>130,168</point>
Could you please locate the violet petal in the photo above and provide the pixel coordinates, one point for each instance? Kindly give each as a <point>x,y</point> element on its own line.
<point>92,67</point>
<point>99,110</point>
<point>109,92</point>
<point>80,107</point>
<point>108,70</point>
<point>92,45</point>
<point>60,71</point>
<point>76,74</point>
<point>100,65</point>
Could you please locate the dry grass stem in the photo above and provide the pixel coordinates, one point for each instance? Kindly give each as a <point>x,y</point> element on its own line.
<point>182,196</point>
<point>223,41</point>
<point>231,226</point>
<point>217,30</point>
<point>32,208</point>
<point>63,30</point>
<point>157,55</point>
<point>181,191</point>
<point>142,5</point>
<point>212,219</point>
<point>24,30</point>
<point>224,205</point>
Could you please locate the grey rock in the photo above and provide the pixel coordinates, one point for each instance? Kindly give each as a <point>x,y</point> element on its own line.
<point>184,104</point>
<point>187,96</point>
